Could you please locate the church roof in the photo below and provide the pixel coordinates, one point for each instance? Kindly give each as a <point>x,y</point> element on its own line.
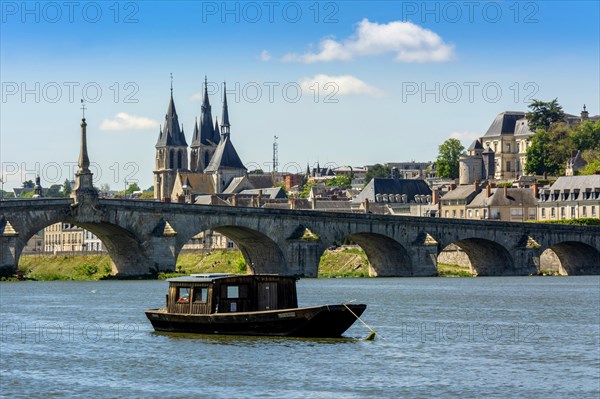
<point>171,133</point>
<point>504,123</point>
<point>225,157</point>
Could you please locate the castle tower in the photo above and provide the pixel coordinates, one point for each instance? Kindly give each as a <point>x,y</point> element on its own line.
<point>489,163</point>
<point>205,138</point>
<point>171,153</point>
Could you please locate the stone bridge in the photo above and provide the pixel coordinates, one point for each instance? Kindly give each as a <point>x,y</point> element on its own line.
<point>144,237</point>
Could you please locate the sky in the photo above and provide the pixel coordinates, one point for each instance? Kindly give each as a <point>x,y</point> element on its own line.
<point>339,83</point>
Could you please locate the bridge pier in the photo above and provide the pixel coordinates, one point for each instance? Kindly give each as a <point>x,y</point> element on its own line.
<point>8,255</point>
<point>303,257</point>
<point>526,261</point>
<point>424,260</point>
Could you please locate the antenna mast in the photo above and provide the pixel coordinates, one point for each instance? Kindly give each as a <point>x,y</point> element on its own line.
<point>275,154</point>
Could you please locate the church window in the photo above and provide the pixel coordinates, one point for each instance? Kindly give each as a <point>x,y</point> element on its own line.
<point>206,158</point>
<point>179,160</point>
<point>171,160</point>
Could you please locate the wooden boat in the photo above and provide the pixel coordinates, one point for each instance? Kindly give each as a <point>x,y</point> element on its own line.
<point>247,305</point>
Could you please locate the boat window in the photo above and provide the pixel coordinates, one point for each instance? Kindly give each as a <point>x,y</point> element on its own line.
<point>200,294</point>
<point>235,291</point>
<point>183,294</point>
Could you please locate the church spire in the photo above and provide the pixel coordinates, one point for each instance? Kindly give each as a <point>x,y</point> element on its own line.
<point>217,136</point>
<point>207,131</point>
<point>225,122</point>
<point>172,135</point>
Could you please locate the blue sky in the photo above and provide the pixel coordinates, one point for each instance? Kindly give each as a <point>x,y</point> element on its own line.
<point>344,83</point>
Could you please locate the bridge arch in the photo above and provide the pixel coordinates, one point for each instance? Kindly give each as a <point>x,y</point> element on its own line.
<point>124,249</point>
<point>573,258</point>
<point>261,253</point>
<point>487,258</point>
<point>387,257</point>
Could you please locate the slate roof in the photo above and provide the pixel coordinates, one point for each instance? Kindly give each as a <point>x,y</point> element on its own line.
<point>515,197</point>
<point>476,145</point>
<point>378,185</point>
<point>199,183</point>
<point>271,193</point>
<point>171,133</point>
<point>261,181</point>
<point>504,123</point>
<point>238,184</point>
<point>465,192</point>
<point>576,182</point>
<point>522,127</point>
<point>225,157</point>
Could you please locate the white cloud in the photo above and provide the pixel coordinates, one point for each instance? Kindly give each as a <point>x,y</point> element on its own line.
<point>465,137</point>
<point>338,85</point>
<point>265,56</point>
<point>124,121</point>
<point>410,42</point>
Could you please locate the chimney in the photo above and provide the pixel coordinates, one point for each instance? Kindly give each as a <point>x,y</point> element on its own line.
<point>234,200</point>
<point>488,190</point>
<point>534,187</point>
<point>505,191</point>
<point>213,199</point>
<point>435,197</point>
<point>366,205</point>
<point>475,185</point>
<point>313,203</point>
<point>292,202</point>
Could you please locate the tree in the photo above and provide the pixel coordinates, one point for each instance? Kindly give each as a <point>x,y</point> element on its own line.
<point>592,157</point>
<point>53,191</point>
<point>133,187</point>
<point>538,160</point>
<point>447,159</point>
<point>586,136</point>
<point>28,184</point>
<point>378,170</point>
<point>67,188</point>
<point>306,189</point>
<point>339,181</point>
<point>544,114</point>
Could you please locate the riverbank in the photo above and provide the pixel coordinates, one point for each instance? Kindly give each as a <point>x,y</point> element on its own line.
<point>339,262</point>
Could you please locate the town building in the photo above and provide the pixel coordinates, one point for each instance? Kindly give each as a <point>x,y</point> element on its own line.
<point>66,237</point>
<point>570,197</point>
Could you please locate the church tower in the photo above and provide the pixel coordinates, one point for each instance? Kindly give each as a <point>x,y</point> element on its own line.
<point>225,164</point>
<point>171,153</point>
<point>205,138</point>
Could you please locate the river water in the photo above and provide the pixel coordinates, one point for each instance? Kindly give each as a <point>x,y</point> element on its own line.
<point>533,337</point>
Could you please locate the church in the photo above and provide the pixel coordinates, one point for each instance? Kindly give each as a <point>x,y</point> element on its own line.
<point>214,165</point>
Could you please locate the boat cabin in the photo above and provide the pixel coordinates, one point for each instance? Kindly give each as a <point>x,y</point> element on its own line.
<point>227,293</point>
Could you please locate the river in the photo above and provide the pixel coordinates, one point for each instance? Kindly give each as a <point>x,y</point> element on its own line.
<point>533,337</point>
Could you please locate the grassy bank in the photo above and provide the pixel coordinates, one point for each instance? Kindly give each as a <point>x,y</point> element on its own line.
<point>340,262</point>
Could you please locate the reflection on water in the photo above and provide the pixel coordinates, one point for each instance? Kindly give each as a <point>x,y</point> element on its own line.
<point>482,337</point>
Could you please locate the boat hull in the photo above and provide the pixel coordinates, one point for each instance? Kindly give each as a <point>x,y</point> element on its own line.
<point>327,321</point>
